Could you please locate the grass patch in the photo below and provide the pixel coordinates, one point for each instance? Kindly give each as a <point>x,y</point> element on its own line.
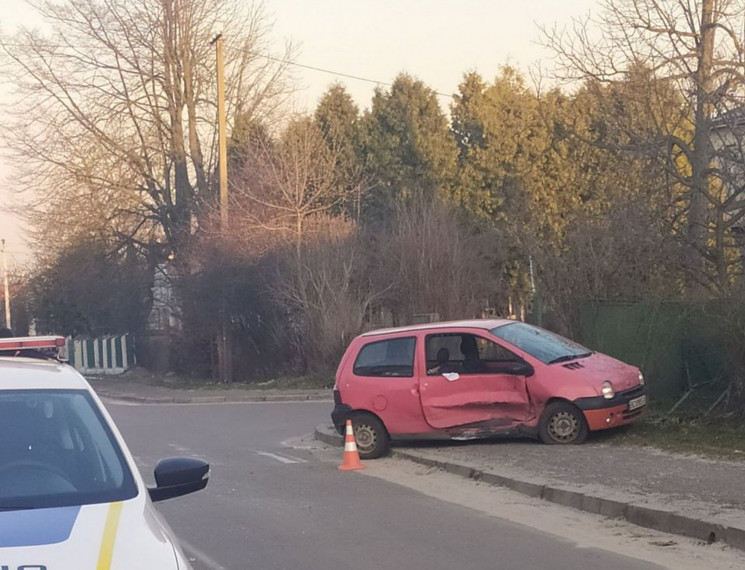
<point>309,382</point>
<point>716,437</point>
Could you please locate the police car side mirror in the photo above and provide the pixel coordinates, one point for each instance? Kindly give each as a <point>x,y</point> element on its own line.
<point>177,476</point>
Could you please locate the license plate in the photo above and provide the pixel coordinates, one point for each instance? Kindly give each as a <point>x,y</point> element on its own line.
<point>637,402</point>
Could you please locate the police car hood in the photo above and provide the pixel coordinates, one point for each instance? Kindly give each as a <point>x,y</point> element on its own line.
<point>109,536</point>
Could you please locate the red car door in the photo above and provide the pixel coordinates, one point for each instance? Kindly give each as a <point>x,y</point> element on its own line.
<point>479,381</point>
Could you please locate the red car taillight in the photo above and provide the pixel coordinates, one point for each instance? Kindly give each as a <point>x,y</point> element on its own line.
<point>337,396</point>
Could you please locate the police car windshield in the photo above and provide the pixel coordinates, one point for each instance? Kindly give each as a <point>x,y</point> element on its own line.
<point>57,450</point>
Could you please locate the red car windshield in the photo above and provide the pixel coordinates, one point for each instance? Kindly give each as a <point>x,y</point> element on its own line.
<point>541,344</point>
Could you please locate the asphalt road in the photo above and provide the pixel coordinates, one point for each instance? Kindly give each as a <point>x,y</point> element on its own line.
<point>275,505</point>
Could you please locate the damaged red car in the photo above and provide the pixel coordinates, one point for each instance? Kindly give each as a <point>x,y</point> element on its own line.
<point>476,379</point>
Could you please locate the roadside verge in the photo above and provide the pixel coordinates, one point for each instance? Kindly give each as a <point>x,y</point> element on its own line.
<point>141,393</point>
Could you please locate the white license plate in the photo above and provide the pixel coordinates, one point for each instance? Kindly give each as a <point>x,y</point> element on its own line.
<point>637,402</point>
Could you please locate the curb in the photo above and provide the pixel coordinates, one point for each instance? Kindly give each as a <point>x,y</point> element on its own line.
<point>656,519</point>
<point>136,399</point>
<point>327,434</point>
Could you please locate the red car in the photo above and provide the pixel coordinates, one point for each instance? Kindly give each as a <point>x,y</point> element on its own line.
<point>474,379</point>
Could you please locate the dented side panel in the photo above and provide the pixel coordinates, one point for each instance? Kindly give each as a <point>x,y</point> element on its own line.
<point>473,398</point>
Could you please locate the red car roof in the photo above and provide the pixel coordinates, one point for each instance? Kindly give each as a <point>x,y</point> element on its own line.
<point>484,324</point>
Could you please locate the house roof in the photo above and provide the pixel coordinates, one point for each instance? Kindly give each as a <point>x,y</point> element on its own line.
<point>729,119</point>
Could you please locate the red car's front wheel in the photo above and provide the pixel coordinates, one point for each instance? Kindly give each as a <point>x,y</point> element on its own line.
<point>562,423</point>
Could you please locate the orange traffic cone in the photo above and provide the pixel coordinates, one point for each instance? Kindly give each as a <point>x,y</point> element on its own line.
<point>351,455</point>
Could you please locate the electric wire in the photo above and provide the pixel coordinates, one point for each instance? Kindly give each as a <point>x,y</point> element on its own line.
<point>270,58</point>
<point>328,71</point>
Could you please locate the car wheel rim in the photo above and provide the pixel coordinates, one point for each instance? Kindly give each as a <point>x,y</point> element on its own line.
<point>365,437</point>
<point>563,426</point>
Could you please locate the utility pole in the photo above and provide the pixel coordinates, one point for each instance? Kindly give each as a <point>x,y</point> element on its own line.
<point>225,352</point>
<point>536,309</point>
<point>696,231</point>
<point>222,134</point>
<point>7,289</point>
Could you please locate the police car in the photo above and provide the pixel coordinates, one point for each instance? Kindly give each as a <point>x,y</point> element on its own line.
<point>71,496</point>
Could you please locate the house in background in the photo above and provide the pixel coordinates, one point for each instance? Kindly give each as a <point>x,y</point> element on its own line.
<point>727,136</point>
<point>155,344</point>
<point>163,316</point>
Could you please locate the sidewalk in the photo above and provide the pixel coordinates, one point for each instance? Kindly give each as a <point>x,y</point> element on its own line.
<point>118,388</point>
<point>679,494</point>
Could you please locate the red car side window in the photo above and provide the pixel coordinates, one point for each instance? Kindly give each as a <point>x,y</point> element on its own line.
<point>466,353</point>
<point>391,357</point>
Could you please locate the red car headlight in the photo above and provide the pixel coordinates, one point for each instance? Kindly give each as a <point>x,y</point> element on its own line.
<point>608,392</point>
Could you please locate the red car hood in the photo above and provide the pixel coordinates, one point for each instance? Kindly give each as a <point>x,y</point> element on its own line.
<point>598,368</point>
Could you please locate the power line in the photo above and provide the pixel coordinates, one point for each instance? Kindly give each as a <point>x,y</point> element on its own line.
<point>275,59</point>
<point>329,71</point>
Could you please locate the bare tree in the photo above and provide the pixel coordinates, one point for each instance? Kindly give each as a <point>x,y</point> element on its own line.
<point>288,181</point>
<point>623,251</point>
<point>327,292</point>
<point>438,263</point>
<point>114,115</point>
<point>697,47</point>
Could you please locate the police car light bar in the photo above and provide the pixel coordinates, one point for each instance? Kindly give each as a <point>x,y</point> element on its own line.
<point>21,342</point>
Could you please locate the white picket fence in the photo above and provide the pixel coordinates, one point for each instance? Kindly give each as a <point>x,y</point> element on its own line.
<point>112,354</point>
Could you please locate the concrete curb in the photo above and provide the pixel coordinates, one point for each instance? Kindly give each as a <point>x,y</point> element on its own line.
<point>656,519</point>
<point>328,435</point>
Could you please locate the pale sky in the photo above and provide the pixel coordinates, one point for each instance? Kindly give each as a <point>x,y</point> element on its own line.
<point>434,40</point>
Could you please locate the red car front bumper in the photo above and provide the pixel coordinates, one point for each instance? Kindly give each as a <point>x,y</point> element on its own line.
<point>624,408</point>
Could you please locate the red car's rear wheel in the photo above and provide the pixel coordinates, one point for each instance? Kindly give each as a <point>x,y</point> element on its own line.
<point>370,435</point>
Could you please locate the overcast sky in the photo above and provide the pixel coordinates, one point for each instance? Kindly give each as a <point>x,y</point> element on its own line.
<point>434,40</point>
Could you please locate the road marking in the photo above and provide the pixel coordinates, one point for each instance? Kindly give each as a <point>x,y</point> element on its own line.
<point>283,459</point>
<point>305,442</point>
<point>180,449</point>
<point>201,556</point>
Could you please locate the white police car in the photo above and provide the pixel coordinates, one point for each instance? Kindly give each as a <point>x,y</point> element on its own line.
<point>71,496</point>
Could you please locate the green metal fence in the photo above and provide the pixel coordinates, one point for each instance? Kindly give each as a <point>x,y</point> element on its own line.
<point>111,354</point>
<point>677,345</point>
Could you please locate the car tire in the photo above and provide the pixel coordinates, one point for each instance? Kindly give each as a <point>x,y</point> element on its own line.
<point>370,435</point>
<point>562,424</point>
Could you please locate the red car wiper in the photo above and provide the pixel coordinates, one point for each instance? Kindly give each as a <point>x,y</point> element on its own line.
<point>569,357</point>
